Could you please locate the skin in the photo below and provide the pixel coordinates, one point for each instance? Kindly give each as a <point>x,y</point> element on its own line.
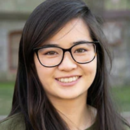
<point>69,100</point>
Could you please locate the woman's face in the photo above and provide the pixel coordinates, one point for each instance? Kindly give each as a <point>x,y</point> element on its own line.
<point>54,79</point>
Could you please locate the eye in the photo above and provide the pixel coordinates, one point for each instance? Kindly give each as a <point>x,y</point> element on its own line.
<point>80,50</point>
<point>50,53</point>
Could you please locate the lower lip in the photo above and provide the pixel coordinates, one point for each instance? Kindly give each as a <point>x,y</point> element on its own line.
<point>68,84</point>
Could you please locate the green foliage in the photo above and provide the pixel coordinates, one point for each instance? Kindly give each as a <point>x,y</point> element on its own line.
<point>6,93</point>
<point>117,5</point>
<point>122,97</point>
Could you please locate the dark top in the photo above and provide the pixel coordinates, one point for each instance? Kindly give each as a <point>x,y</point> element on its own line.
<point>16,122</point>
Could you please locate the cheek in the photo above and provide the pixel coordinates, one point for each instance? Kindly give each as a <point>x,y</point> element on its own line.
<point>45,74</point>
<point>90,71</point>
<point>91,67</point>
<point>46,77</point>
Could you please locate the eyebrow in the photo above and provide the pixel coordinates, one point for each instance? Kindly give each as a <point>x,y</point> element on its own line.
<point>48,44</point>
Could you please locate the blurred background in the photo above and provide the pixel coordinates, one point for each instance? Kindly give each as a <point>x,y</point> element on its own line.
<point>115,16</point>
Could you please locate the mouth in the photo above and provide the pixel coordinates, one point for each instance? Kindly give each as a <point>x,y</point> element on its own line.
<point>68,80</point>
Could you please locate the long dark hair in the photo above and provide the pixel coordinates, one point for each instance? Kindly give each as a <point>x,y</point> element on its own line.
<point>29,96</point>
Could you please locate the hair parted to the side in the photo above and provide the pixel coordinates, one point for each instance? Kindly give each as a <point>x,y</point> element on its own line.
<point>29,96</point>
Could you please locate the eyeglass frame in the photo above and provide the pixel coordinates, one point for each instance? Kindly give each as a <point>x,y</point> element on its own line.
<point>65,50</point>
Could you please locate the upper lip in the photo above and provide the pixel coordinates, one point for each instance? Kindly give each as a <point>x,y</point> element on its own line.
<point>68,76</point>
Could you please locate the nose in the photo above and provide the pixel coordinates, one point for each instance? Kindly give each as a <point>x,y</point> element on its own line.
<point>68,63</point>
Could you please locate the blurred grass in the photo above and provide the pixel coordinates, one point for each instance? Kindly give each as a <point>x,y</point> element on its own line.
<point>121,96</point>
<point>6,93</point>
<point>119,5</point>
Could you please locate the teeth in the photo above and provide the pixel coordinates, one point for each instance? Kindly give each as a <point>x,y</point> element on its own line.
<point>68,80</point>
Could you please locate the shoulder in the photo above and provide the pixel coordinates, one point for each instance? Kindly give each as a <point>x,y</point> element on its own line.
<point>14,122</point>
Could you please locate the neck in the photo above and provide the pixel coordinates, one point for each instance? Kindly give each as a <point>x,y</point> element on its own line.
<point>75,112</point>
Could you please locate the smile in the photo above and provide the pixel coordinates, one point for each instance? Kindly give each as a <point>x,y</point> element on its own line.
<point>68,80</point>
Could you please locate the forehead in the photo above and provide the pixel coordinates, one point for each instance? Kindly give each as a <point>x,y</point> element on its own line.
<point>75,30</point>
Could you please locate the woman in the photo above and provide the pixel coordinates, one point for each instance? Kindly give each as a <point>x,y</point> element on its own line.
<point>61,82</point>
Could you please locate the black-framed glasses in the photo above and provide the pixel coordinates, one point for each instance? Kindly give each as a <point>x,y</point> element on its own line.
<point>51,56</point>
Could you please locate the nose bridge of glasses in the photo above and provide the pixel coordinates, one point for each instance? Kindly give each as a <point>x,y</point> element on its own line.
<point>64,54</point>
<point>67,50</point>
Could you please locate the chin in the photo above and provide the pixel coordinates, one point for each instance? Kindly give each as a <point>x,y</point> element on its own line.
<point>71,96</point>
